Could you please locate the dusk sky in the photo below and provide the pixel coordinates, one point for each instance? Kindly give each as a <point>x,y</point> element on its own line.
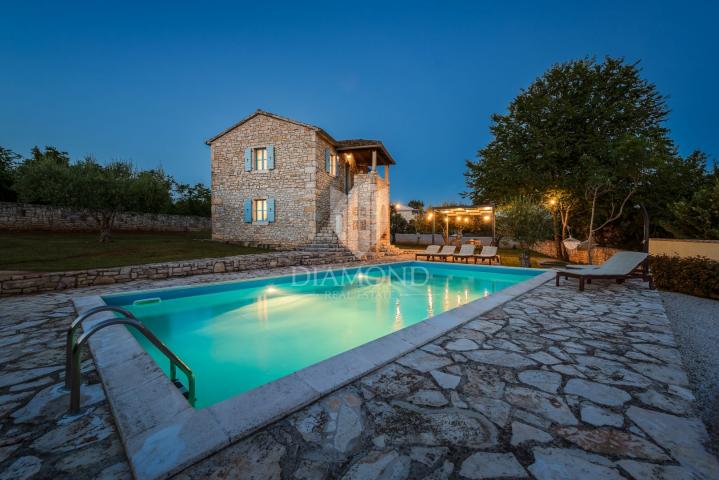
<point>150,82</point>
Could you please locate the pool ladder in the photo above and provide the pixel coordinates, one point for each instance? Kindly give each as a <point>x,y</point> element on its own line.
<point>73,375</point>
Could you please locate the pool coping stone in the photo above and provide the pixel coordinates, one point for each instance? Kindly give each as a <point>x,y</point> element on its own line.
<point>162,434</point>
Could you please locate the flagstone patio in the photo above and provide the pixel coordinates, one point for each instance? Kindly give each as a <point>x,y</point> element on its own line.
<point>554,384</point>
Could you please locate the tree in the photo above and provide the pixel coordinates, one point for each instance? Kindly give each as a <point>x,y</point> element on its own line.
<point>44,178</point>
<point>151,192</point>
<point>561,204</point>
<point>100,190</point>
<point>192,199</point>
<point>526,221</point>
<point>674,181</point>
<point>698,217</point>
<point>417,205</point>
<point>8,163</point>
<point>573,130</point>
<point>103,191</point>
<point>397,224</point>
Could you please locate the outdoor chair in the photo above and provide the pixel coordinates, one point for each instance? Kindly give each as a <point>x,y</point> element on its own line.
<point>466,252</point>
<point>430,250</point>
<point>488,253</point>
<point>619,267</point>
<point>446,252</point>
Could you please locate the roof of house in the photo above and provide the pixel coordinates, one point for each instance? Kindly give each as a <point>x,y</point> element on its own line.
<point>340,145</point>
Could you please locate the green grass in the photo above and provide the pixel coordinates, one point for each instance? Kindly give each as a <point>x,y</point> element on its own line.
<point>54,252</point>
<point>509,256</point>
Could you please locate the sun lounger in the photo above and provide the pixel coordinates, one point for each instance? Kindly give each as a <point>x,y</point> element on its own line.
<point>621,266</point>
<point>430,250</point>
<point>446,252</point>
<point>487,253</point>
<point>466,252</point>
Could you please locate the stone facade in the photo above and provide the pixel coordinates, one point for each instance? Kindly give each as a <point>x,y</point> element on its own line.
<point>305,195</point>
<point>25,217</point>
<point>24,283</point>
<point>361,219</point>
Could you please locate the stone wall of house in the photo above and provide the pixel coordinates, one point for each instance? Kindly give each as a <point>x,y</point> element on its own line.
<point>28,217</point>
<point>599,254</point>
<point>327,185</point>
<point>362,220</point>
<point>24,283</point>
<point>307,197</point>
<point>291,183</point>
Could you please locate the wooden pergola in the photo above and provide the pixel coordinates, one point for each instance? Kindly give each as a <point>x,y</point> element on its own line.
<point>464,213</point>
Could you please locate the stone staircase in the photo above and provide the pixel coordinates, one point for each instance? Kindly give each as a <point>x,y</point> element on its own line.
<point>326,241</point>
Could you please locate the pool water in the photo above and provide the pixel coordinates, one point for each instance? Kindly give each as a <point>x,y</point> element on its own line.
<point>240,335</point>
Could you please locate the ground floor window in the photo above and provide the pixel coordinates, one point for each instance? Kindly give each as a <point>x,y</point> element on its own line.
<point>260,211</point>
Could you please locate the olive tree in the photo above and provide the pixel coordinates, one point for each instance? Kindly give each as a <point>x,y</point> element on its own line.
<point>526,221</point>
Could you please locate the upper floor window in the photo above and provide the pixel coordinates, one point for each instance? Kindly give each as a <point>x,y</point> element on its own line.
<point>260,158</point>
<point>332,162</point>
<point>260,211</point>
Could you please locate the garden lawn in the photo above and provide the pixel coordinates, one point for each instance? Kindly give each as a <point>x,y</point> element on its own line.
<point>53,252</point>
<point>509,256</point>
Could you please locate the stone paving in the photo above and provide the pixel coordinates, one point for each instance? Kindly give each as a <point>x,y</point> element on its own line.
<point>552,385</point>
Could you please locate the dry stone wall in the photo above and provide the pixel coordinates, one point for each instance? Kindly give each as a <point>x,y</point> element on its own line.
<point>24,283</point>
<point>28,217</point>
<point>599,254</point>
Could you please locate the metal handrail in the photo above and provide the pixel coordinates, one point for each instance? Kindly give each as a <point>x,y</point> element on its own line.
<point>76,324</point>
<point>76,374</point>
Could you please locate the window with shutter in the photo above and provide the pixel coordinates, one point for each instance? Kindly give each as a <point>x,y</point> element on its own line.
<point>260,155</point>
<point>271,157</point>
<point>260,211</point>
<point>248,159</point>
<point>270,210</point>
<point>247,212</point>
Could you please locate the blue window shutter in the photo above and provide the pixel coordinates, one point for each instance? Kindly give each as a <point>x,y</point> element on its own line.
<point>248,159</point>
<point>327,160</point>
<point>270,210</point>
<point>248,210</point>
<point>270,157</point>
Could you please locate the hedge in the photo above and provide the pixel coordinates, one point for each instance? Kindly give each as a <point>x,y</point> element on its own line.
<point>698,276</point>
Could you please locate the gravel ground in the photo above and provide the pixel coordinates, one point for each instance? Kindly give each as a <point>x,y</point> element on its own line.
<point>696,328</point>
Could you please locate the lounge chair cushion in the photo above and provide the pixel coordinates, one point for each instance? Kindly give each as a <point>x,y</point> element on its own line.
<point>465,250</point>
<point>622,263</point>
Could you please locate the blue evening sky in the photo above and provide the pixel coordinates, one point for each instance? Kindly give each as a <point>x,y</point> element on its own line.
<point>150,81</point>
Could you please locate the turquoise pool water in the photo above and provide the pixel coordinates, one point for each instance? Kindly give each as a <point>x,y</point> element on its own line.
<point>240,335</point>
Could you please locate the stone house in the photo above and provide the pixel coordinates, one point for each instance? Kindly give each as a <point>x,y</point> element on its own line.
<point>288,184</point>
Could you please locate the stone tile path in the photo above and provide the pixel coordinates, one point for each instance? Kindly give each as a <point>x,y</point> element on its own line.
<point>555,384</point>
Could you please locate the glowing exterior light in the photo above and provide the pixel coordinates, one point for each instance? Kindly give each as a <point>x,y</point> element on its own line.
<point>552,201</point>
<point>398,206</point>
<point>466,219</point>
<point>487,218</point>
<point>429,216</point>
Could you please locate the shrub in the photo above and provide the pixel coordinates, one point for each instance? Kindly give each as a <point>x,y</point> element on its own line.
<point>697,276</point>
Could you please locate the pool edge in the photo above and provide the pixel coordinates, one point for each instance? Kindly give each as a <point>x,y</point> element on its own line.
<point>163,435</point>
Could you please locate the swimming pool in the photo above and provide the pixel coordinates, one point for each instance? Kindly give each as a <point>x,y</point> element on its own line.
<point>237,336</point>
